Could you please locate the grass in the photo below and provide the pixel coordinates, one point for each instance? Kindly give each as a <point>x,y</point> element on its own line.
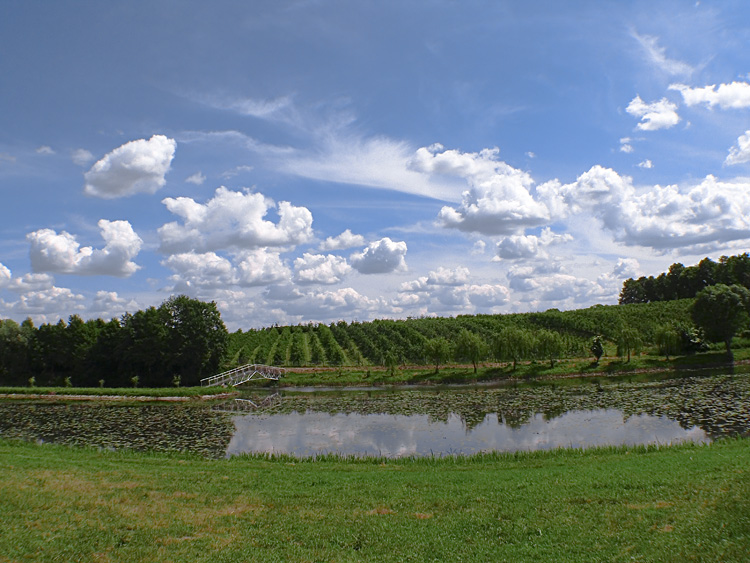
<point>682,503</point>
<point>162,392</point>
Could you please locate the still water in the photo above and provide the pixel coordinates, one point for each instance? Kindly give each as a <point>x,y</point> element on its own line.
<point>412,422</point>
<point>389,435</point>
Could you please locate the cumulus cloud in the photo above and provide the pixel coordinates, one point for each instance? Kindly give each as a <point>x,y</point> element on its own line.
<point>446,276</point>
<point>233,220</point>
<point>46,304</point>
<point>44,149</point>
<point>654,116</point>
<point>343,241</point>
<point>135,167</point>
<point>81,157</point>
<point>198,178</point>
<point>61,253</point>
<point>323,305</point>
<point>381,257</point>
<point>5,275</point>
<point>646,164</point>
<point>625,145</point>
<point>449,290</point>
<point>319,268</point>
<point>735,95</point>
<point>740,153</point>
<point>548,283</point>
<point>517,247</point>
<point>498,201</point>
<point>109,305</point>
<point>31,282</point>
<point>208,270</point>
<point>259,267</point>
<point>663,218</point>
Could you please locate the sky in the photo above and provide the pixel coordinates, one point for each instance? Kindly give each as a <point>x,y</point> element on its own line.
<point>324,160</point>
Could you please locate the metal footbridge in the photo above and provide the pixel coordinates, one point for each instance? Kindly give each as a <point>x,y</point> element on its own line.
<point>243,374</point>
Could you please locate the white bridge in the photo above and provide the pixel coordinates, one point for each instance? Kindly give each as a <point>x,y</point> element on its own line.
<point>242,374</point>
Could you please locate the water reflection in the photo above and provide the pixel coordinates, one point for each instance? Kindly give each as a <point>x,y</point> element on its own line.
<point>311,433</point>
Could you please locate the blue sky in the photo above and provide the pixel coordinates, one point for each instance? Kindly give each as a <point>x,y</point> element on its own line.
<point>325,160</point>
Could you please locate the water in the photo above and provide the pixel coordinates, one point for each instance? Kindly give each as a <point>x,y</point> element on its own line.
<point>416,435</point>
<point>401,422</point>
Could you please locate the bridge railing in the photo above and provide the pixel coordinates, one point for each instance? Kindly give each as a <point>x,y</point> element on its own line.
<point>242,374</point>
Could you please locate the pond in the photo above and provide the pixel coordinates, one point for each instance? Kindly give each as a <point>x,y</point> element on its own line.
<point>402,422</point>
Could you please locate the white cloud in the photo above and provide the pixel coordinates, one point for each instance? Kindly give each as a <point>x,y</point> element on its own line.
<point>233,220</point>
<point>377,162</point>
<point>236,171</point>
<point>61,253</point>
<point>47,304</point>
<point>657,56</point>
<point>259,267</point>
<point>109,305</point>
<point>5,275</point>
<point>727,96</point>
<point>654,116</point>
<point>198,178</point>
<point>449,291</point>
<point>135,167</point>
<point>81,157</point>
<point>498,201</point>
<point>44,149</point>
<point>646,164</point>
<point>517,247</point>
<point>343,241</point>
<point>209,271</point>
<point>319,268</point>
<point>381,257</point>
<point>662,218</point>
<point>741,153</point>
<point>446,276</point>
<point>31,282</point>
<point>324,305</point>
<point>250,107</point>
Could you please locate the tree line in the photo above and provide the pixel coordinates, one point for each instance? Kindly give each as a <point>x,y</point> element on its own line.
<point>177,343</point>
<point>543,336</point>
<point>184,340</point>
<point>684,282</point>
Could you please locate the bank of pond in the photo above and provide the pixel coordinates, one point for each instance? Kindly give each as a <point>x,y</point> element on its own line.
<point>400,422</point>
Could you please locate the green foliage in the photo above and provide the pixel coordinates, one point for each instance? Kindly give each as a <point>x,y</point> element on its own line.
<point>597,348</point>
<point>685,282</point>
<point>514,344</point>
<point>471,346</point>
<point>437,350</point>
<point>721,311</point>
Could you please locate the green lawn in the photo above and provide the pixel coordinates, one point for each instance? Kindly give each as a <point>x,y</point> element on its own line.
<point>684,503</point>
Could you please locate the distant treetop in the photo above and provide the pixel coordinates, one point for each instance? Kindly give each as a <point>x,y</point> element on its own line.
<point>683,282</point>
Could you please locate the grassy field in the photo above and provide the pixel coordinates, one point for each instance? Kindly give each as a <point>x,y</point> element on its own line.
<point>684,503</point>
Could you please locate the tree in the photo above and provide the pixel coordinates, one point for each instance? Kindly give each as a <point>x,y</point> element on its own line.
<point>668,340</point>
<point>722,310</point>
<point>437,350</point>
<point>197,337</point>
<point>550,345</point>
<point>471,346</point>
<point>628,340</point>
<point>513,344</point>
